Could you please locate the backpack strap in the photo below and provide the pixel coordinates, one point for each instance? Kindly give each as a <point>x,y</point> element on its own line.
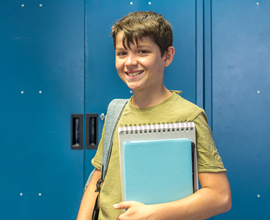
<point>114,112</point>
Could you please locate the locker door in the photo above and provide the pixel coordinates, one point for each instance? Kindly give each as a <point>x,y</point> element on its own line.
<point>241,102</point>
<point>101,78</point>
<point>41,85</point>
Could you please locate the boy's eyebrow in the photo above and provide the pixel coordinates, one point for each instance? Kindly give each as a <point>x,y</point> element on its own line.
<point>143,45</point>
<point>119,48</point>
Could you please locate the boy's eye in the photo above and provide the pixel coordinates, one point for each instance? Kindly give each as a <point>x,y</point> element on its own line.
<point>143,51</point>
<point>121,53</point>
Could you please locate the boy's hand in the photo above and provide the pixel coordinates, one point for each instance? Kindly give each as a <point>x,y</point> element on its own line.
<point>135,210</point>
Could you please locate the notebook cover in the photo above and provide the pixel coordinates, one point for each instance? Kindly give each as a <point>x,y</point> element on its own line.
<point>157,171</point>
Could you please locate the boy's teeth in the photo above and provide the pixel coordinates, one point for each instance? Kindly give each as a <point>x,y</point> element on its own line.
<point>134,74</point>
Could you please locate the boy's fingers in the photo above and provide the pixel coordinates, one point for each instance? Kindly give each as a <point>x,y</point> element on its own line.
<point>123,205</point>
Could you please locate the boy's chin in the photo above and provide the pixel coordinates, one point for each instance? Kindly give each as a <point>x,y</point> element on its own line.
<point>133,87</point>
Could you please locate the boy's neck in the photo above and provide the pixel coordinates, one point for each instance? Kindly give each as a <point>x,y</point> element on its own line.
<point>145,99</point>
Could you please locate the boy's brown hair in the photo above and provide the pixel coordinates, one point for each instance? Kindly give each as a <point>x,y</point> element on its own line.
<point>141,24</point>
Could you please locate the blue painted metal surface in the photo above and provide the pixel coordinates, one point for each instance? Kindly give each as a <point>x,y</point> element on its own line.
<point>241,102</point>
<point>41,67</point>
<point>42,49</point>
<point>199,52</point>
<point>101,78</point>
<point>207,59</point>
<point>43,82</point>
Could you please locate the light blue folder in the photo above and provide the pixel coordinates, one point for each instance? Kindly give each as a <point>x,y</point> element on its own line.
<point>157,171</point>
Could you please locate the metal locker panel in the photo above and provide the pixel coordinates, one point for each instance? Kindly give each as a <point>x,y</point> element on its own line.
<point>41,67</point>
<point>102,83</point>
<point>207,60</point>
<point>241,51</point>
<point>200,52</point>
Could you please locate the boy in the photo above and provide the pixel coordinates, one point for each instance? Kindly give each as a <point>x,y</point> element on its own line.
<point>143,46</point>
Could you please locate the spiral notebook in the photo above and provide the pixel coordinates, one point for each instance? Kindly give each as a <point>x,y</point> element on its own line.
<point>158,163</point>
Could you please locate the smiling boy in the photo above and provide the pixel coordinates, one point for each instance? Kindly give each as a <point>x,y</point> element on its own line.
<point>143,46</point>
<point>141,67</point>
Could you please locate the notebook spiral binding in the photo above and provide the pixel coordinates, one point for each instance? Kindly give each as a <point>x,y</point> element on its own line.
<point>160,127</point>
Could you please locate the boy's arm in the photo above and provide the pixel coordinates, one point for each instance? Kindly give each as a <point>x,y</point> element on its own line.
<point>89,198</point>
<point>213,198</point>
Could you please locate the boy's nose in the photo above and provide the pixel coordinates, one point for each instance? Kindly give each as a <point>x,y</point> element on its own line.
<point>131,60</point>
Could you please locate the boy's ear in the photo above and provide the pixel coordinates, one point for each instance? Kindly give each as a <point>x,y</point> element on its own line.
<point>169,54</point>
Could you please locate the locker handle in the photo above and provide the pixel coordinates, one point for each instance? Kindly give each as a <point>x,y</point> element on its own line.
<point>77,131</point>
<point>91,131</point>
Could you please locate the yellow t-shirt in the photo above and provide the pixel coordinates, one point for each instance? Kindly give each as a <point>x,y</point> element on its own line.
<point>173,109</point>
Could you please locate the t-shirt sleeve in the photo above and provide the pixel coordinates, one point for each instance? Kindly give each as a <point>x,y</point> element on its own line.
<point>208,156</point>
<point>96,161</point>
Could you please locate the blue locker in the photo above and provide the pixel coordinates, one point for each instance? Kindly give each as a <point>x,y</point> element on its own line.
<point>42,75</point>
<point>240,102</point>
<point>57,59</point>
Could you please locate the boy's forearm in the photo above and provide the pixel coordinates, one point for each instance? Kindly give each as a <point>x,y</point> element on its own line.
<point>89,198</point>
<point>203,204</point>
<point>196,207</point>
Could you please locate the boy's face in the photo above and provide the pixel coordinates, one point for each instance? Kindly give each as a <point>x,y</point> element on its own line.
<point>141,66</point>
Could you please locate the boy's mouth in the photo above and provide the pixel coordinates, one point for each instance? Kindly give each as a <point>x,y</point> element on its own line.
<point>134,73</point>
